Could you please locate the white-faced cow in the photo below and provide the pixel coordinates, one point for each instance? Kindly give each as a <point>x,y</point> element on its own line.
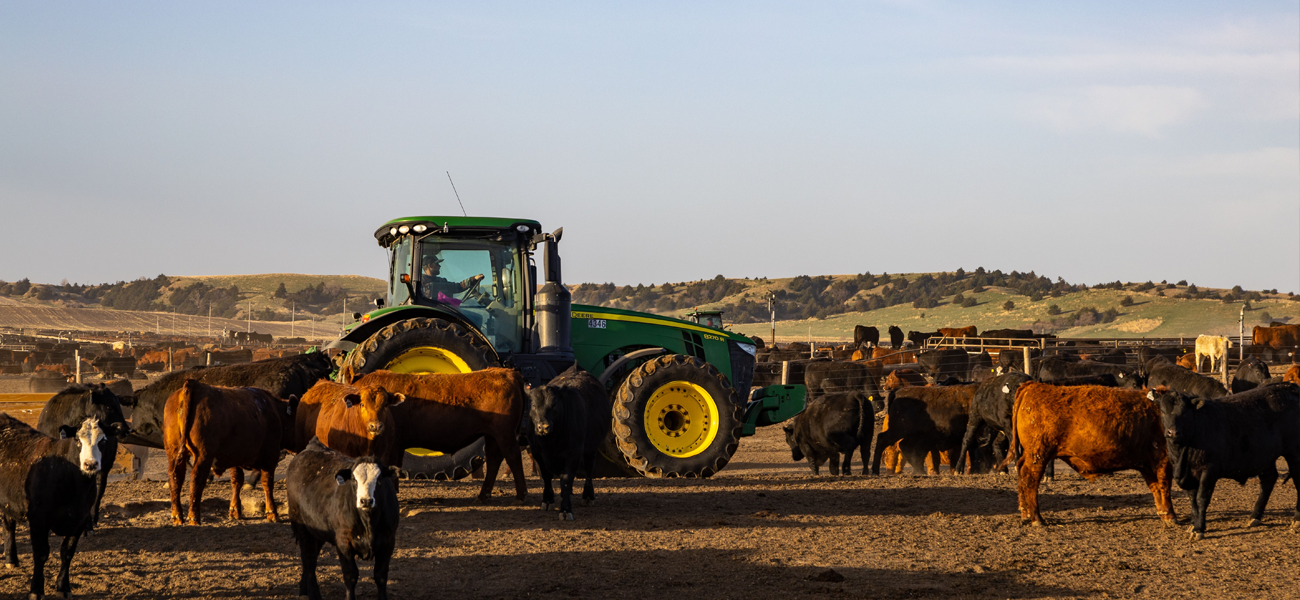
<point>348,502</point>
<point>51,485</point>
<point>75,405</point>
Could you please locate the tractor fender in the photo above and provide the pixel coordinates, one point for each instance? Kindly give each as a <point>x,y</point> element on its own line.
<point>363,331</point>
<point>627,358</point>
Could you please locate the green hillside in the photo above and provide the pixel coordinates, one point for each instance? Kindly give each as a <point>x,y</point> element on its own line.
<point>260,290</point>
<point>1154,311</point>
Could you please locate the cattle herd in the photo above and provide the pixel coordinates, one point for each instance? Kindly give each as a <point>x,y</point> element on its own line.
<point>1099,410</point>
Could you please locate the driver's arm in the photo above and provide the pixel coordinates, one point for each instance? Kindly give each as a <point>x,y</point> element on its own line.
<point>469,282</point>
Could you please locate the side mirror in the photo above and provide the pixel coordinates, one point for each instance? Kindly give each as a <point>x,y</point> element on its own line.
<point>379,302</point>
<point>356,316</point>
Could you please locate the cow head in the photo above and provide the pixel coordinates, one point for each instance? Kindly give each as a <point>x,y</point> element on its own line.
<point>792,439</point>
<point>367,476</point>
<point>88,438</point>
<point>1177,412</point>
<point>105,407</point>
<point>373,404</point>
<point>545,408</point>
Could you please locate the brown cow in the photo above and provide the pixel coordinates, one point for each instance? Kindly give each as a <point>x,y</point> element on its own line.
<point>903,378</point>
<point>1096,430</point>
<point>354,420</point>
<point>1280,336</point>
<point>889,356</point>
<point>446,412</point>
<point>223,428</point>
<point>958,332</point>
<point>1188,361</point>
<point>1292,375</point>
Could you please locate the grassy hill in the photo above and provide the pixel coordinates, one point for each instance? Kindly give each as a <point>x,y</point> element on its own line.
<point>1150,314</point>
<point>259,289</point>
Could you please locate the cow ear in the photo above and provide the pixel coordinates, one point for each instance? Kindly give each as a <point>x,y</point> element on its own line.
<point>292,405</point>
<point>351,400</point>
<point>394,471</point>
<point>67,431</point>
<point>397,399</point>
<point>1199,403</point>
<point>343,476</point>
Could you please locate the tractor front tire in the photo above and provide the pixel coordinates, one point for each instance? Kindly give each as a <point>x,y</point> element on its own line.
<point>425,345</point>
<point>677,416</point>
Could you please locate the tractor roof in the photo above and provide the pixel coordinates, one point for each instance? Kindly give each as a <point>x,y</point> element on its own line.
<point>390,230</point>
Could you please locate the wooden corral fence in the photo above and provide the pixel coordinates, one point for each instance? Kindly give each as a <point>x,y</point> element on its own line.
<point>24,407</point>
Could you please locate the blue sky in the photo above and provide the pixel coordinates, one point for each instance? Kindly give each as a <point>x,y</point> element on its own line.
<point>672,141</point>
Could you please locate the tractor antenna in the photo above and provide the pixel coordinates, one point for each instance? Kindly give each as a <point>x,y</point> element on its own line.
<point>453,189</point>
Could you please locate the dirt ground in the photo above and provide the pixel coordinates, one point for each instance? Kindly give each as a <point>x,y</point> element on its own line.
<point>763,528</point>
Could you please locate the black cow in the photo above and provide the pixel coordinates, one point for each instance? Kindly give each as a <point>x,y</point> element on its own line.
<point>981,367</point>
<point>1015,359</point>
<point>1251,373</point>
<point>926,420</point>
<point>1146,354</point>
<point>1015,334</point>
<point>942,364</point>
<point>918,337</point>
<point>109,365</point>
<point>1053,368</point>
<point>72,407</point>
<point>282,377</point>
<point>348,502</point>
<point>1183,380</point>
<point>1114,356</point>
<point>826,377</point>
<point>990,411</point>
<point>1236,437</point>
<point>567,420</point>
<point>895,337</point>
<point>50,484</point>
<point>865,335</point>
<point>832,425</point>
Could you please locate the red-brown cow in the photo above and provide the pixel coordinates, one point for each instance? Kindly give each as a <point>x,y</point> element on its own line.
<point>1096,430</point>
<point>1292,375</point>
<point>355,420</point>
<point>890,356</point>
<point>903,378</point>
<point>446,412</point>
<point>958,332</point>
<point>223,428</point>
<point>1281,336</point>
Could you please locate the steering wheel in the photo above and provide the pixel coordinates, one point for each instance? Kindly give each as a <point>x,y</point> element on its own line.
<point>474,291</point>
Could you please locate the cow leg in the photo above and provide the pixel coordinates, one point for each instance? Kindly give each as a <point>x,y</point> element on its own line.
<point>566,488</point>
<point>844,444</point>
<point>1161,483</point>
<point>268,485</point>
<point>884,440</point>
<point>492,464</point>
<point>1292,462</point>
<point>309,549</point>
<point>835,462</point>
<point>383,556</point>
<point>548,493</point>
<point>1030,473</point>
<point>1267,479</point>
<point>589,490</point>
<point>11,547</point>
<point>348,564</point>
<point>514,460</point>
<point>1203,494</point>
<point>198,481</point>
<point>176,479</point>
<point>40,535</point>
<point>63,584</point>
<point>973,429</point>
<point>236,482</point>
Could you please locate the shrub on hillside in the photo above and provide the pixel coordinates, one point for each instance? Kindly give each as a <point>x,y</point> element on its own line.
<point>1054,310</point>
<point>969,302</point>
<point>1126,301</point>
<point>1110,315</point>
<point>1266,318</point>
<point>1008,305</point>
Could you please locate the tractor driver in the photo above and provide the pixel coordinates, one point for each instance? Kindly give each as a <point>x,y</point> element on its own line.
<point>432,284</point>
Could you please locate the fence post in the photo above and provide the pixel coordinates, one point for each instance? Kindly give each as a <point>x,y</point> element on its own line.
<point>785,372</point>
<point>209,360</point>
<point>1028,371</point>
<point>76,357</point>
<point>1226,354</point>
<point>171,365</point>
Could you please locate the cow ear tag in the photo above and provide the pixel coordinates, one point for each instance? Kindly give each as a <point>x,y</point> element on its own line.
<point>1006,389</point>
<point>351,400</point>
<point>1151,396</point>
<point>66,432</point>
<point>343,476</point>
<point>1121,375</point>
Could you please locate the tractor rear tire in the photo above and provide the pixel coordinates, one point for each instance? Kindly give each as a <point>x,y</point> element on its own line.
<point>425,345</point>
<point>677,416</point>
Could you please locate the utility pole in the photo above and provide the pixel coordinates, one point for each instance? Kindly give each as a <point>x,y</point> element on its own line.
<point>250,317</point>
<point>771,307</point>
<point>1241,334</point>
<point>292,311</point>
<point>209,319</point>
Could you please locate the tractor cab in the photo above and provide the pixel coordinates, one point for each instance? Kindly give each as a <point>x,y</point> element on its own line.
<point>707,318</point>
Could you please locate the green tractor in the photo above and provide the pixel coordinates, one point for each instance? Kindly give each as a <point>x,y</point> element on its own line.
<point>465,294</point>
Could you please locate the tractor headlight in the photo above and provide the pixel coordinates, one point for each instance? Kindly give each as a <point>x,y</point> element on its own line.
<point>403,229</point>
<point>419,228</point>
<point>748,348</point>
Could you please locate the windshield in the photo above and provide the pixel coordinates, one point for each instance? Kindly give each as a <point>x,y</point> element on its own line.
<point>478,278</point>
<point>399,263</point>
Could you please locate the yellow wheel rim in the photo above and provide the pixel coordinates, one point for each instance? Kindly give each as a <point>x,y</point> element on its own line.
<point>681,419</point>
<point>427,359</point>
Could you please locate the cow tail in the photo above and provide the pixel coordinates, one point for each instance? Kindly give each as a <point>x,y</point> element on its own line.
<point>185,410</point>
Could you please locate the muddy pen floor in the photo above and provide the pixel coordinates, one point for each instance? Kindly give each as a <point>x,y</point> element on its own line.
<point>763,528</point>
